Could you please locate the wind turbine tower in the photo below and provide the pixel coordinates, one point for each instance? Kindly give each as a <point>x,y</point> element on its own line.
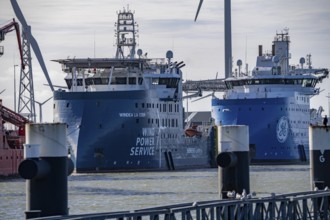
<point>228,44</point>
<point>26,102</point>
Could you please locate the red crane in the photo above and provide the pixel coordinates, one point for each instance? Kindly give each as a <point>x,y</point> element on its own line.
<point>8,28</point>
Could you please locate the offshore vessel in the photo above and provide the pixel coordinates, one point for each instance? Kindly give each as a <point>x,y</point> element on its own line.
<point>126,113</point>
<point>274,102</point>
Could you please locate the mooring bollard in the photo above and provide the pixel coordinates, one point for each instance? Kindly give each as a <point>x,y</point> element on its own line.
<point>319,143</point>
<point>233,160</point>
<point>45,168</point>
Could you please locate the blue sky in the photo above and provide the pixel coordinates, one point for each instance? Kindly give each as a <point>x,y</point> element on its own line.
<point>70,28</point>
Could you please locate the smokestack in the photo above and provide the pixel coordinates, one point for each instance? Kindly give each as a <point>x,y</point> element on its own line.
<point>260,50</point>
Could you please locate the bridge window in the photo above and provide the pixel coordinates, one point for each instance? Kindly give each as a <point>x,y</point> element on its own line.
<point>140,80</point>
<point>155,81</point>
<point>121,80</point>
<point>132,80</point>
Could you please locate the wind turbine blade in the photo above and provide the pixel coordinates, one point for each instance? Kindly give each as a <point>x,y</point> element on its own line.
<point>46,100</point>
<point>38,54</point>
<point>199,8</point>
<point>32,40</point>
<point>18,13</point>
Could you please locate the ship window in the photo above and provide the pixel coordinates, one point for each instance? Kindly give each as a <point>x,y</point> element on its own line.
<point>54,106</point>
<point>289,81</point>
<point>97,81</point>
<point>140,80</point>
<point>172,122</point>
<point>307,83</point>
<point>155,81</point>
<point>153,106</point>
<point>132,80</point>
<point>67,105</point>
<point>164,107</point>
<point>79,82</point>
<point>136,105</point>
<point>69,83</point>
<point>142,105</point>
<point>104,81</point>
<point>137,121</point>
<point>229,85</point>
<point>89,81</point>
<point>121,80</point>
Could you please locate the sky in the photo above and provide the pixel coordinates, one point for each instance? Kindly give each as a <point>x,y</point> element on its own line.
<point>84,28</point>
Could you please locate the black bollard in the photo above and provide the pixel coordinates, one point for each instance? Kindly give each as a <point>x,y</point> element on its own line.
<point>45,168</point>
<point>319,143</point>
<point>233,161</point>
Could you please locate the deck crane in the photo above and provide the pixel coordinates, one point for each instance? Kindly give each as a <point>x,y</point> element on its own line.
<point>26,77</point>
<point>9,28</point>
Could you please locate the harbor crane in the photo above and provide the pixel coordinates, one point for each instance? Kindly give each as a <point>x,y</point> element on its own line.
<point>13,25</point>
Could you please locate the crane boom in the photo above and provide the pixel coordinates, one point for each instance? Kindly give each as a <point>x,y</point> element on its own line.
<point>8,28</point>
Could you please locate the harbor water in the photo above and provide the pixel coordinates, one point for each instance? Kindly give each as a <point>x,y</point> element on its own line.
<point>106,192</point>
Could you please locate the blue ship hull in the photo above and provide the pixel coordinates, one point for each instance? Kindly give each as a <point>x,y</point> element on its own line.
<point>122,131</point>
<point>278,129</point>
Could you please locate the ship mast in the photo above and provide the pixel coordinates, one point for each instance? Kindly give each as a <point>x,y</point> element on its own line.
<point>126,34</point>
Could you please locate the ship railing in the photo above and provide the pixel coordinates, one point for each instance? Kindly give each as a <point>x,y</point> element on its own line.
<point>303,205</point>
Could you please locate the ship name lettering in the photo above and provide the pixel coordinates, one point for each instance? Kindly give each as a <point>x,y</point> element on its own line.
<point>126,115</point>
<point>145,141</point>
<point>148,132</point>
<point>139,151</point>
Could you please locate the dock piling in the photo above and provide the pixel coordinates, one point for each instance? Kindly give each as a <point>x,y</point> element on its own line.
<point>45,168</point>
<point>233,161</point>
